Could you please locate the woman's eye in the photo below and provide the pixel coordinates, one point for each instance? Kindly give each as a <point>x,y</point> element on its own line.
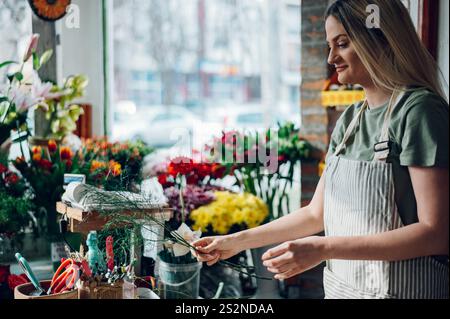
<point>342,45</point>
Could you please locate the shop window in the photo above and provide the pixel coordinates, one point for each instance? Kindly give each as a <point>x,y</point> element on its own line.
<point>203,60</point>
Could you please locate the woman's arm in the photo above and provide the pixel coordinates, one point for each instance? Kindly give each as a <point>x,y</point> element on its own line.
<point>306,221</point>
<point>430,236</point>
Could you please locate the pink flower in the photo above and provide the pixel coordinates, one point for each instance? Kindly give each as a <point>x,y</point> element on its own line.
<point>32,47</point>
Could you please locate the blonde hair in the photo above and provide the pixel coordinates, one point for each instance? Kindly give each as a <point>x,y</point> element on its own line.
<point>393,54</point>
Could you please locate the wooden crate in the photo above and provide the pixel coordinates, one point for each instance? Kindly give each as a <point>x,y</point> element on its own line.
<point>94,290</point>
<point>84,222</point>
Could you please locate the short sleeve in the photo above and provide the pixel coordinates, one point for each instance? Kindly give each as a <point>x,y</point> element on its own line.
<point>425,140</point>
<point>336,137</point>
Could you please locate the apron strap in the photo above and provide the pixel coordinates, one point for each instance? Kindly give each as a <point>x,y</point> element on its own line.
<point>383,147</point>
<point>350,129</point>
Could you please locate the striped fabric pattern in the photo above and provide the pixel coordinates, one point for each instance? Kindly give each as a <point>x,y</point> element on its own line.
<point>359,200</point>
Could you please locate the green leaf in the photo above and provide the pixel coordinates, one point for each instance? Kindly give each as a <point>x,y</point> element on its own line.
<point>18,76</point>
<point>3,99</point>
<point>7,63</point>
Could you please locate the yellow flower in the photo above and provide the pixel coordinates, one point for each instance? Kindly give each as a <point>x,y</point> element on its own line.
<point>230,209</point>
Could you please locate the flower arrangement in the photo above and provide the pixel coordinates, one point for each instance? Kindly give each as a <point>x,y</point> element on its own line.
<point>15,203</point>
<point>60,114</point>
<point>98,161</point>
<point>229,213</point>
<point>263,164</point>
<point>23,92</point>
<point>119,159</point>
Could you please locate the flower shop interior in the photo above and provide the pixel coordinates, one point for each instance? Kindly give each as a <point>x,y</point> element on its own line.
<point>114,119</point>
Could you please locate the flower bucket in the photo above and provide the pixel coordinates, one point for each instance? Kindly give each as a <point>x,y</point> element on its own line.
<point>179,281</point>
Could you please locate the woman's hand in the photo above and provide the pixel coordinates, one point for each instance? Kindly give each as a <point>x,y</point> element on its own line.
<point>213,249</point>
<point>295,257</point>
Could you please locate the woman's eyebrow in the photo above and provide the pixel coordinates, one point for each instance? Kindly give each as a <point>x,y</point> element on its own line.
<point>337,37</point>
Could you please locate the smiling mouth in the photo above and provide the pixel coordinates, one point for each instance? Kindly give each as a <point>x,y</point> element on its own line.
<point>340,68</point>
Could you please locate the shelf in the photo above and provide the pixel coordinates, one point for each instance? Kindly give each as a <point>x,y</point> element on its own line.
<point>84,222</point>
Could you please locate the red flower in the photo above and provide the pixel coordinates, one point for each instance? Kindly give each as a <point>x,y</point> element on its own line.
<point>11,178</point>
<point>192,180</point>
<point>68,164</point>
<point>52,146</point>
<point>218,171</point>
<point>66,153</point>
<point>3,169</point>
<point>180,165</point>
<point>164,181</point>
<point>4,273</point>
<point>45,164</point>
<point>14,281</point>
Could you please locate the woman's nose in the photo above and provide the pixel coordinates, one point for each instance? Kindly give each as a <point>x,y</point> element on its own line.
<point>332,57</point>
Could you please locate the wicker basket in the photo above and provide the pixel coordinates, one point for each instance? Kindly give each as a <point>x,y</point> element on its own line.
<point>94,290</point>
<point>24,291</point>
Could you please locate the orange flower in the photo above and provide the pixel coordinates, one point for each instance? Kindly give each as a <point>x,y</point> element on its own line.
<point>66,153</point>
<point>52,146</point>
<point>37,157</point>
<point>37,150</point>
<point>96,165</point>
<point>115,168</point>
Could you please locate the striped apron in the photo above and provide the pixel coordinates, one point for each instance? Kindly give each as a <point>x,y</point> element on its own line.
<point>359,200</point>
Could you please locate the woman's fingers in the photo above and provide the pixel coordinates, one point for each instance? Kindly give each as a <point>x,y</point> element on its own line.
<point>281,269</point>
<point>276,251</point>
<point>206,246</point>
<point>215,260</point>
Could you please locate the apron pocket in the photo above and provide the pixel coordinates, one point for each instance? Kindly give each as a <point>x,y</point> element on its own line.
<point>336,288</point>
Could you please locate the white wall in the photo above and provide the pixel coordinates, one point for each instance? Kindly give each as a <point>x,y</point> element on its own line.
<point>443,43</point>
<point>82,52</point>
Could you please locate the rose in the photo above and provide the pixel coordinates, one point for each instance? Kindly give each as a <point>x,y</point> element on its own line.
<point>11,178</point>
<point>3,169</point>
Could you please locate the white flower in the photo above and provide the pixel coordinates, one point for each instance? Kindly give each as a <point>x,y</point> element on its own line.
<point>188,235</point>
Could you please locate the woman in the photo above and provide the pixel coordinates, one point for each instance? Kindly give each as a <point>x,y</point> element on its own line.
<point>383,199</point>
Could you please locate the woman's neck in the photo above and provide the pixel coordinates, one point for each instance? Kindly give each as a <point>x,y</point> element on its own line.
<point>376,97</point>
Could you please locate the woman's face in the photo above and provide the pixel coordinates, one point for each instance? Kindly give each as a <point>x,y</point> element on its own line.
<point>343,56</point>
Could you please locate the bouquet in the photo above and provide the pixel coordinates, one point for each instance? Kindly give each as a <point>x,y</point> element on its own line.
<point>119,159</point>
<point>62,116</point>
<point>263,164</point>
<point>22,93</point>
<point>15,203</point>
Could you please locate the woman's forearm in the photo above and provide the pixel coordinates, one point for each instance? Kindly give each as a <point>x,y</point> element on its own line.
<point>299,224</point>
<point>405,243</point>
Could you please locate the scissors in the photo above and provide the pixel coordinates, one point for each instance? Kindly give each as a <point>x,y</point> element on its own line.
<point>65,277</point>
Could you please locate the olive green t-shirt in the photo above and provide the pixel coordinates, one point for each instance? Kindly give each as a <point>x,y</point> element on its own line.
<point>419,132</point>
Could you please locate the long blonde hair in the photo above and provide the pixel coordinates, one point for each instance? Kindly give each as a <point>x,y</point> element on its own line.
<point>393,53</point>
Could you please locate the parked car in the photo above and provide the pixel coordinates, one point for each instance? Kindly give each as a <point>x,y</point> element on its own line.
<point>163,127</point>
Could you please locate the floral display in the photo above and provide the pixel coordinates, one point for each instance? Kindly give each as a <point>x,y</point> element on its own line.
<point>263,163</point>
<point>15,203</point>
<point>230,213</point>
<point>23,92</point>
<point>59,112</point>
<point>98,161</point>
<point>116,159</point>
